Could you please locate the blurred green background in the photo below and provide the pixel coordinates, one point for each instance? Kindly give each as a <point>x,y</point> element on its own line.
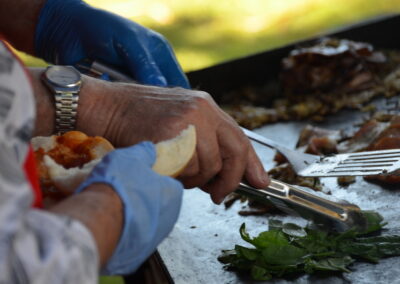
<point>206,32</point>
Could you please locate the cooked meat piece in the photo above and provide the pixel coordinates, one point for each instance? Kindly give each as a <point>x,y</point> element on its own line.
<point>321,146</point>
<point>331,65</point>
<point>376,134</point>
<point>389,139</point>
<point>388,180</point>
<point>310,132</point>
<point>380,133</point>
<point>363,138</point>
<point>386,143</point>
<point>315,140</point>
<point>319,141</point>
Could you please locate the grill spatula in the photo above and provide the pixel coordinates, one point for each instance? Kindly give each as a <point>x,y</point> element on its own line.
<point>352,164</point>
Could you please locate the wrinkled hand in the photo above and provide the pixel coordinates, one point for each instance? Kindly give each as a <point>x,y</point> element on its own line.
<point>151,203</point>
<point>128,113</point>
<point>69,31</point>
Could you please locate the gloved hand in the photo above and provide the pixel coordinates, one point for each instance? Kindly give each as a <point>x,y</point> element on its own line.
<point>151,203</point>
<point>69,31</point>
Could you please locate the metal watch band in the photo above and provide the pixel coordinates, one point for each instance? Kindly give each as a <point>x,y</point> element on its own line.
<point>66,107</point>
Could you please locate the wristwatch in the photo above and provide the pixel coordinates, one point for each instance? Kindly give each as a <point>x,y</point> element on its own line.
<point>65,82</point>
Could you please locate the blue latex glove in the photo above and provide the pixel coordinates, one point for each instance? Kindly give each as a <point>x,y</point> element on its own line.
<point>69,31</point>
<point>151,203</point>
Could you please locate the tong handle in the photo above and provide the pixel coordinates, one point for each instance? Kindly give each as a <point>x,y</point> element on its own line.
<point>294,199</point>
<point>114,74</point>
<point>98,68</point>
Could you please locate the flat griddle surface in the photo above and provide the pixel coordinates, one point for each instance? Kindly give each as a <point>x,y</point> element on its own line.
<point>204,229</point>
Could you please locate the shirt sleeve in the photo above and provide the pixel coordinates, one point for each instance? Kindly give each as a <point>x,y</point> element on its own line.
<point>35,246</point>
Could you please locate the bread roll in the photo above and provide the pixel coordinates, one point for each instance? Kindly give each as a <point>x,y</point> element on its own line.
<point>65,161</point>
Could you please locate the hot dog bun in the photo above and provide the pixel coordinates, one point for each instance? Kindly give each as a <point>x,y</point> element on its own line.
<point>65,161</point>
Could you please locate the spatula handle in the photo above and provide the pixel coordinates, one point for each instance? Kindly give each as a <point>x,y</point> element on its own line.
<point>260,139</point>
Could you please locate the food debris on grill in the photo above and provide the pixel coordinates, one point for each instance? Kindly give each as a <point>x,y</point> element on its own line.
<point>319,80</point>
<point>285,173</point>
<point>256,208</point>
<point>346,181</point>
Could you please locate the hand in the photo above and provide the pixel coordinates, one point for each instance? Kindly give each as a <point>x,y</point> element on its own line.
<point>151,203</point>
<point>129,113</point>
<point>69,31</point>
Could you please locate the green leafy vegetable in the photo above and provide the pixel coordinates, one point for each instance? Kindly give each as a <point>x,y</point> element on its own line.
<point>288,248</point>
<point>293,230</point>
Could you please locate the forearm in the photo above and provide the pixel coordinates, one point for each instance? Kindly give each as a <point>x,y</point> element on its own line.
<point>100,209</point>
<point>18,19</point>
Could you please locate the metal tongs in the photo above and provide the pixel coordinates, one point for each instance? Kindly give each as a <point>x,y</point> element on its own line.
<point>103,71</point>
<point>295,201</point>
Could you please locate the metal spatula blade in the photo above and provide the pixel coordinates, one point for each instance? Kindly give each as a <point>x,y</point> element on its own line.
<point>355,164</point>
<point>295,201</point>
<point>351,164</point>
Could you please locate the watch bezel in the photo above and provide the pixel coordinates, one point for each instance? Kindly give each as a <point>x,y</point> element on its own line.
<point>60,68</point>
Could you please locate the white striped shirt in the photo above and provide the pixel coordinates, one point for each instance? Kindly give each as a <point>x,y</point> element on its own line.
<point>35,246</point>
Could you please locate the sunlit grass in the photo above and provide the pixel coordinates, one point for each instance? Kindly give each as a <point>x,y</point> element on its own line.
<point>205,32</point>
<point>111,280</point>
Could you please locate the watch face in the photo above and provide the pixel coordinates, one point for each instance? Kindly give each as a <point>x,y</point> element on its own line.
<point>63,76</point>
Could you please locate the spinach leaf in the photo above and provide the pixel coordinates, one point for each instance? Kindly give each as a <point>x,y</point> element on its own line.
<point>329,264</point>
<point>260,273</point>
<point>287,248</point>
<point>264,239</point>
<point>293,230</point>
<point>247,253</point>
<point>273,254</point>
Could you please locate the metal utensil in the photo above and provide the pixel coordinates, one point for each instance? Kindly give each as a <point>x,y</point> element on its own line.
<point>99,69</point>
<point>351,164</point>
<point>295,201</point>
